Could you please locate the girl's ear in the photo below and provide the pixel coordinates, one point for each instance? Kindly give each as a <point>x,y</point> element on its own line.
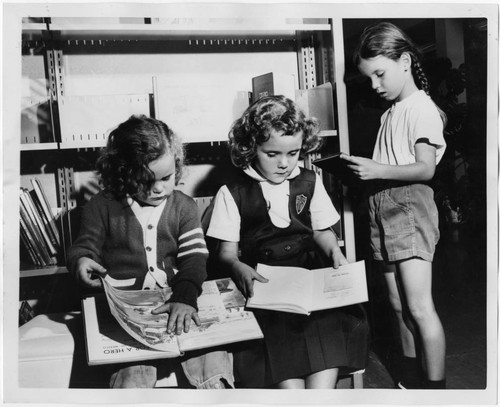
<point>405,59</point>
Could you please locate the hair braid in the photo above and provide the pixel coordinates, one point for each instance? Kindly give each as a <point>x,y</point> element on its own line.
<point>420,76</point>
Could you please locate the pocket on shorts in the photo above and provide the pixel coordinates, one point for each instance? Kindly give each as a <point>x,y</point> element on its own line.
<point>397,216</point>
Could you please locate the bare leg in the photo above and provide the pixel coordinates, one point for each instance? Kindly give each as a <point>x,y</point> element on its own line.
<point>290,384</point>
<point>406,328</point>
<point>416,280</point>
<point>326,379</point>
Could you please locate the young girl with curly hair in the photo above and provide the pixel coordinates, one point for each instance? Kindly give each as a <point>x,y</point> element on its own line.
<point>143,232</point>
<point>277,213</point>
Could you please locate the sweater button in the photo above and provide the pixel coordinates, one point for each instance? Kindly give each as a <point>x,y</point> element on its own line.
<point>148,248</point>
<point>151,268</point>
<point>150,227</point>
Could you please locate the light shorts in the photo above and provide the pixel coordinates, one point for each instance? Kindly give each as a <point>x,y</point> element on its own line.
<point>403,222</point>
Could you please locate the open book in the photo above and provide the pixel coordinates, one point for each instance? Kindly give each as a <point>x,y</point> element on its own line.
<point>302,291</point>
<point>119,326</point>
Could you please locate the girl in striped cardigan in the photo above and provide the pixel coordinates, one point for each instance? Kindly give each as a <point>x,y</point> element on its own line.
<point>141,231</point>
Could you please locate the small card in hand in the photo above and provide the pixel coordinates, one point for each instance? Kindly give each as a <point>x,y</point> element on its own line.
<point>336,166</point>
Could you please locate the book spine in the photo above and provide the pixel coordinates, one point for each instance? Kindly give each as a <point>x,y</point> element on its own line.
<point>38,221</point>
<point>45,209</point>
<point>35,230</point>
<point>32,238</point>
<point>44,220</point>
<point>29,245</point>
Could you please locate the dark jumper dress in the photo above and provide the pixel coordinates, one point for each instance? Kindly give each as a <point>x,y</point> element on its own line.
<point>294,345</point>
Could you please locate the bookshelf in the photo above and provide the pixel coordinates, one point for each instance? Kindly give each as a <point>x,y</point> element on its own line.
<point>74,69</point>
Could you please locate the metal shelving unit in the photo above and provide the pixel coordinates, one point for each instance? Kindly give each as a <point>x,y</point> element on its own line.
<point>61,41</point>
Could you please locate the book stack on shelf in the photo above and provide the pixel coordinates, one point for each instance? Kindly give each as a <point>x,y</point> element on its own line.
<point>39,234</point>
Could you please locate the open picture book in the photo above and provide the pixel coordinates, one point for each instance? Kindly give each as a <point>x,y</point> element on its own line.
<point>302,291</point>
<point>119,326</point>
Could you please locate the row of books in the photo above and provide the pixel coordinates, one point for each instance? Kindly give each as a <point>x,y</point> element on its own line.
<point>39,233</point>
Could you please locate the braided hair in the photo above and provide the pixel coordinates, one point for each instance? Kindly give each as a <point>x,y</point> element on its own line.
<point>390,41</point>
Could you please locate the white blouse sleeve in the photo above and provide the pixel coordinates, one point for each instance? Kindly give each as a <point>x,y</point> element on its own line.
<point>225,221</point>
<point>323,213</point>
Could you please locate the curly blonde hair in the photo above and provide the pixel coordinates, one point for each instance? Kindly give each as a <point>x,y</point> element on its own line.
<point>270,113</point>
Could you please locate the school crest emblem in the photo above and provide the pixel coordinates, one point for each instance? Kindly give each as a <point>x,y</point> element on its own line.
<point>300,203</point>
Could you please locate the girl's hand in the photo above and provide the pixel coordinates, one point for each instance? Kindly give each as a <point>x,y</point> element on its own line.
<point>363,168</point>
<point>243,276</point>
<point>180,316</point>
<point>338,258</point>
<point>85,267</point>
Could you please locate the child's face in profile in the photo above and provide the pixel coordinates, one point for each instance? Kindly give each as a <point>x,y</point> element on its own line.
<point>278,156</point>
<point>388,77</point>
<point>163,169</point>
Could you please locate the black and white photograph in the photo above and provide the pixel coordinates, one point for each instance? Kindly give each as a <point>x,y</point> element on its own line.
<point>334,166</point>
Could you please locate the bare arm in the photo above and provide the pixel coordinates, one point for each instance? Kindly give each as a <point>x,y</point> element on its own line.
<point>327,241</point>
<point>422,170</point>
<point>243,275</point>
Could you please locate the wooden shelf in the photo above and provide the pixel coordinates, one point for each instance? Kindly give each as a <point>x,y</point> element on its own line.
<point>39,146</point>
<point>33,27</point>
<point>123,31</point>
<point>43,271</point>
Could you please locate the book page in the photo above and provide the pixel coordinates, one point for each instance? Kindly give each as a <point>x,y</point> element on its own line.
<point>223,318</point>
<point>106,340</point>
<point>289,289</point>
<point>339,287</point>
<point>132,309</point>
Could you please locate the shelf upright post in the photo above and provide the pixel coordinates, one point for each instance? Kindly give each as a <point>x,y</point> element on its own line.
<point>65,175</point>
<point>307,76</point>
<point>66,190</point>
<point>55,83</point>
<point>343,129</point>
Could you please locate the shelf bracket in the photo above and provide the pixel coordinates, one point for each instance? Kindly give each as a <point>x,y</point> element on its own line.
<point>307,62</point>
<point>66,187</point>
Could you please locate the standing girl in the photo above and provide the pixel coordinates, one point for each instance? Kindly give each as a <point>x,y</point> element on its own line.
<point>143,232</point>
<point>403,215</point>
<point>277,213</point>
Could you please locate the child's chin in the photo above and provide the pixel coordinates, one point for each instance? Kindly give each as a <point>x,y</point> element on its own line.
<point>277,180</point>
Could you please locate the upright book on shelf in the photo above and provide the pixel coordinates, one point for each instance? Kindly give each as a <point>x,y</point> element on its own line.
<point>119,326</point>
<point>33,232</point>
<point>302,291</point>
<point>43,206</point>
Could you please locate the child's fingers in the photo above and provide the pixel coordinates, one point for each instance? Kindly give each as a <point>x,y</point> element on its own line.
<point>91,282</point>
<point>343,261</point>
<point>172,323</point>
<point>98,269</point>
<point>161,309</point>
<point>196,318</point>
<point>249,286</point>
<point>187,324</point>
<point>260,278</point>
<point>349,158</point>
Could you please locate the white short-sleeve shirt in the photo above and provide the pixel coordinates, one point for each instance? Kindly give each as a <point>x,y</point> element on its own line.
<point>415,117</point>
<point>225,222</point>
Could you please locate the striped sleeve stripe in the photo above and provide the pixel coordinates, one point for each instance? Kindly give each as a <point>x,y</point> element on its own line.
<point>192,242</point>
<point>191,232</point>
<point>202,250</point>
